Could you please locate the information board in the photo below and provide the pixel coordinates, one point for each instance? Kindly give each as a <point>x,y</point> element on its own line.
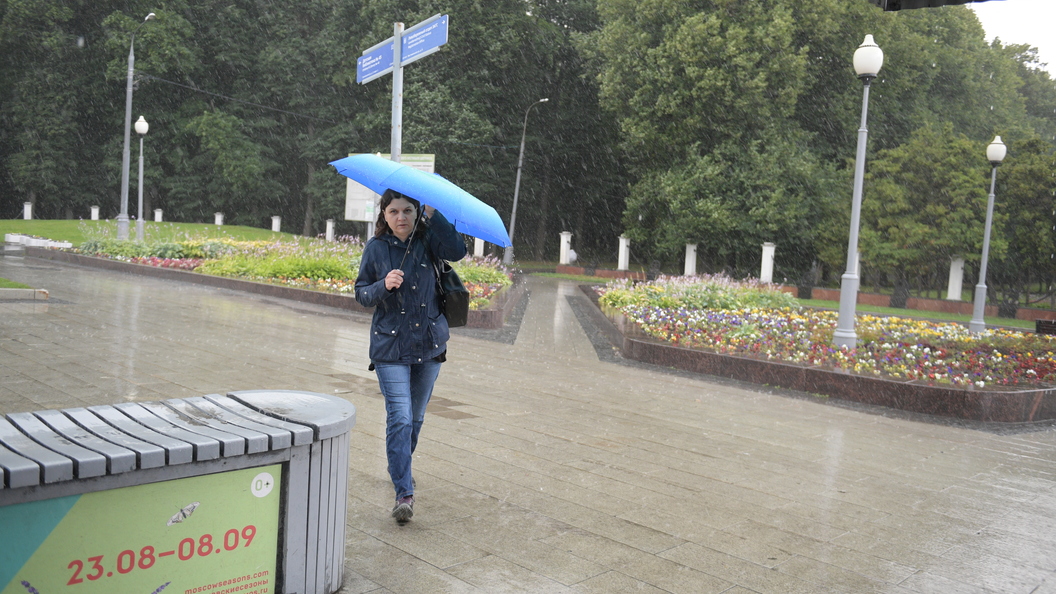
<point>361,204</point>
<point>198,535</point>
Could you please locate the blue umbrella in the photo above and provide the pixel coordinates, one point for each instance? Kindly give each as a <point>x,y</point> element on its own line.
<point>470,215</point>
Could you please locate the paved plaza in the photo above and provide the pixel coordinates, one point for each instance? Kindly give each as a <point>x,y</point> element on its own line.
<point>547,464</point>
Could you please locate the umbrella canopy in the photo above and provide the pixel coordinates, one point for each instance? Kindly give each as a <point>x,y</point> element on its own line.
<point>469,214</point>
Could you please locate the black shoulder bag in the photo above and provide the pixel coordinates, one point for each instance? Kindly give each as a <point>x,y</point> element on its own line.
<point>452,294</point>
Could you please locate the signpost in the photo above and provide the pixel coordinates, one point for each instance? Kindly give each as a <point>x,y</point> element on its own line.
<point>389,56</point>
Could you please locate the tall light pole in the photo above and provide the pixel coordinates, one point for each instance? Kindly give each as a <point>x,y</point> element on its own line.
<point>507,256</point>
<point>141,128</point>
<point>122,218</point>
<point>868,59</point>
<point>995,153</point>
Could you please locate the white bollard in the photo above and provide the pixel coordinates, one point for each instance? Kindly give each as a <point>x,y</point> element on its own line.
<point>953,288</point>
<point>218,218</point>
<point>478,247</point>
<point>157,215</point>
<point>27,211</point>
<point>691,259</point>
<point>566,245</point>
<point>95,213</point>
<point>625,254</point>
<point>276,223</point>
<point>329,229</point>
<point>766,273</point>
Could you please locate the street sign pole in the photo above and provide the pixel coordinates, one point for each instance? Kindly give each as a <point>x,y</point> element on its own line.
<point>396,143</point>
<point>392,55</point>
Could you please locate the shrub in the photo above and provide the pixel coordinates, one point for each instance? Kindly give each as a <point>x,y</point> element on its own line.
<point>716,292</point>
<point>167,250</point>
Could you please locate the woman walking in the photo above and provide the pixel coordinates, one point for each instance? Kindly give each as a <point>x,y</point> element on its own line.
<point>408,335</point>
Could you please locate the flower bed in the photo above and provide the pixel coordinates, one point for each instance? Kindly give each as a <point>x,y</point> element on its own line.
<point>315,264</point>
<point>889,347</point>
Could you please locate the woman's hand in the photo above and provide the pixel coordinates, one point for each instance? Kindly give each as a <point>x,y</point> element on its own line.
<point>393,279</point>
<point>428,211</point>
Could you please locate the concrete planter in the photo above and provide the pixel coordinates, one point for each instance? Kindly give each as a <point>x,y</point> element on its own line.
<point>976,404</point>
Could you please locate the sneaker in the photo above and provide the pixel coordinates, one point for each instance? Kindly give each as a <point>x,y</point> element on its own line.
<point>404,509</point>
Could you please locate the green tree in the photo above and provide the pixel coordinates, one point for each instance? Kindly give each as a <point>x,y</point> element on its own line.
<point>925,203</point>
<point>1025,198</point>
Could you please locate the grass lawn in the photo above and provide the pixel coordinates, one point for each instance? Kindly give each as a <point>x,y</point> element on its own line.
<point>921,315</point>
<point>77,231</point>
<point>7,284</point>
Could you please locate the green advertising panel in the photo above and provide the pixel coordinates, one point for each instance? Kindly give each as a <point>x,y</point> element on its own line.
<point>212,534</point>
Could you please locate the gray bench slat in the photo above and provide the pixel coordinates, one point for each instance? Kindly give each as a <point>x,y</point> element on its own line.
<point>118,459</point>
<point>302,434</point>
<point>255,442</point>
<point>86,463</point>
<point>205,447</point>
<point>276,437</point>
<point>53,467</point>
<point>146,455</point>
<point>175,451</point>
<point>18,471</point>
<point>230,444</point>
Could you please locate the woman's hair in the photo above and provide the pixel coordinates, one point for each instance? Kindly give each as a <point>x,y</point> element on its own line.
<point>382,227</point>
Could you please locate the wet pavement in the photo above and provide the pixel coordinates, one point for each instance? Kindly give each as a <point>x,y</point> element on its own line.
<point>544,467</point>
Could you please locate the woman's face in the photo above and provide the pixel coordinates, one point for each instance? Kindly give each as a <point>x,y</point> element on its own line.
<point>399,215</point>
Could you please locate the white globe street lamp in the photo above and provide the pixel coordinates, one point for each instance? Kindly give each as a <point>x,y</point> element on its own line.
<point>122,218</point>
<point>507,256</point>
<point>141,128</point>
<point>868,59</point>
<point>995,153</point>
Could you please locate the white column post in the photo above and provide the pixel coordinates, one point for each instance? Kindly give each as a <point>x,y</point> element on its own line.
<point>478,247</point>
<point>329,229</point>
<point>566,245</point>
<point>157,215</point>
<point>691,259</point>
<point>218,218</point>
<point>956,284</point>
<point>276,223</point>
<point>625,254</point>
<point>766,273</point>
<point>95,213</point>
<point>27,211</point>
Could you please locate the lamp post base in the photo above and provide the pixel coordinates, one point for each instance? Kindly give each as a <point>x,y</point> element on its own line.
<point>978,323</point>
<point>507,256</point>
<point>844,335</point>
<point>122,227</point>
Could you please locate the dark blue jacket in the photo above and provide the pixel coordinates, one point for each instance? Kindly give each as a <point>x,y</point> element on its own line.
<point>407,327</point>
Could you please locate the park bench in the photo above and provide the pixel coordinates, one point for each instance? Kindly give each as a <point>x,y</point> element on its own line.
<point>244,492</point>
<point>1045,326</point>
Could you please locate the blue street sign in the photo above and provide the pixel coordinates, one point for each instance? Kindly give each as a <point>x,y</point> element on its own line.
<point>377,63</point>
<point>423,39</point>
<point>417,42</point>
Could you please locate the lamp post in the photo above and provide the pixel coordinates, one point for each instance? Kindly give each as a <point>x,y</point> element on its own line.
<point>507,256</point>
<point>868,59</point>
<point>122,218</point>
<point>141,128</point>
<point>995,153</point>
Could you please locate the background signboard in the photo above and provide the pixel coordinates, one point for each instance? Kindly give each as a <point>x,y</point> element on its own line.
<point>200,534</point>
<point>361,203</point>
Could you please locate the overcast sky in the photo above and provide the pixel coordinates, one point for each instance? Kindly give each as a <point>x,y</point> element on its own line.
<point>1021,21</point>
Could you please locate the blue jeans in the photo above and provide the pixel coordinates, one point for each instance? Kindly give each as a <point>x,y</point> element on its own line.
<point>407,389</point>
